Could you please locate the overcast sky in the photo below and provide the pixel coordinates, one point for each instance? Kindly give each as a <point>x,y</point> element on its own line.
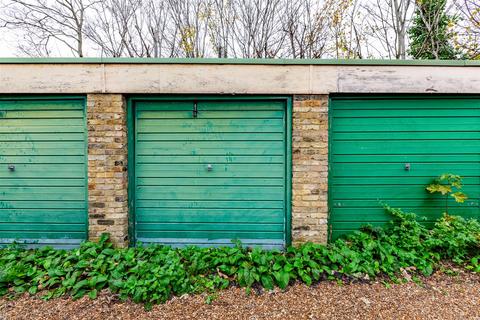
<point>7,44</point>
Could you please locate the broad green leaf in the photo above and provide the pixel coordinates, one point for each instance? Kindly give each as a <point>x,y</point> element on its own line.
<point>459,197</point>
<point>267,282</point>
<point>443,189</point>
<point>33,290</point>
<point>283,278</point>
<point>93,294</point>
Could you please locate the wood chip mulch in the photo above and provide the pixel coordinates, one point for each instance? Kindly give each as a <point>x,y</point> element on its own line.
<point>438,297</point>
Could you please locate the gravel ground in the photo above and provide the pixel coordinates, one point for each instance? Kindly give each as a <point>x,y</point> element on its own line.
<point>439,297</point>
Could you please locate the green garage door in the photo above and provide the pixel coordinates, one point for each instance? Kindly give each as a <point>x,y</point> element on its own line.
<point>375,140</point>
<point>42,171</point>
<point>210,171</point>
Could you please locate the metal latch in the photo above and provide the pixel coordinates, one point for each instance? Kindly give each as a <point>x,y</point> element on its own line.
<point>11,167</point>
<point>407,166</point>
<point>195,109</point>
<point>209,167</point>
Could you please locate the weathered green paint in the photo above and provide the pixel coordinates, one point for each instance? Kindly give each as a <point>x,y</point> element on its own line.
<point>371,140</point>
<point>245,196</point>
<point>234,61</point>
<point>44,200</point>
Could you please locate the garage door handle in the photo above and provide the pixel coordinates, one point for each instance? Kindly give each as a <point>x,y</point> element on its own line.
<point>11,167</point>
<point>209,167</point>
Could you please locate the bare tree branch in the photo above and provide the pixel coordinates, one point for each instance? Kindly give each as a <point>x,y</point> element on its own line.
<point>467,31</point>
<point>40,21</point>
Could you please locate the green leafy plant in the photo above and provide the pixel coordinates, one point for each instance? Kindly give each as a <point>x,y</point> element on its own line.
<point>474,264</point>
<point>402,250</point>
<point>448,185</point>
<point>455,238</point>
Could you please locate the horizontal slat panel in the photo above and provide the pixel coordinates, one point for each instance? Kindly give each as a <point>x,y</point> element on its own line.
<point>266,244</point>
<point>381,192</point>
<point>58,159</point>
<point>30,226</point>
<point>474,181</point>
<point>219,226</point>
<point>57,170</point>
<point>242,105</point>
<point>163,106</point>
<point>208,148</point>
<point>44,193</point>
<point>42,204</point>
<point>170,215</point>
<point>223,105</point>
<point>239,136</point>
<point>41,129</point>
<point>209,181</point>
<point>39,235</point>
<point>401,112</point>
<point>422,202</point>
<point>349,226</point>
<point>205,125</point>
<point>210,235</point>
<point>34,244</point>
<point>41,114</point>
<point>41,182</point>
<point>407,103</point>
<point>407,147</point>
<point>210,192</point>
<point>417,135</point>
<point>372,214</point>
<point>27,123</point>
<point>34,214</point>
<point>218,171</point>
<point>205,159</point>
<point>439,123</point>
<point>205,114</point>
<point>42,151</point>
<point>40,104</point>
<point>234,204</point>
<point>337,233</point>
<point>398,170</point>
<point>405,127</point>
<point>37,137</point>
<point>25,219</point>
<point>404,158</point>
<point>80,145</point>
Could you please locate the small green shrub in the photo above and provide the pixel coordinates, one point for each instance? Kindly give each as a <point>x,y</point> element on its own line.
<point>474,264</point>
<point>154,274</point>
<point>446,184</point>
<point>455,238</point>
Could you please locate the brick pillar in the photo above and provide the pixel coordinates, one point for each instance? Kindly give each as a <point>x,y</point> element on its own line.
<point>310,168</point>
<point>107,167</point>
